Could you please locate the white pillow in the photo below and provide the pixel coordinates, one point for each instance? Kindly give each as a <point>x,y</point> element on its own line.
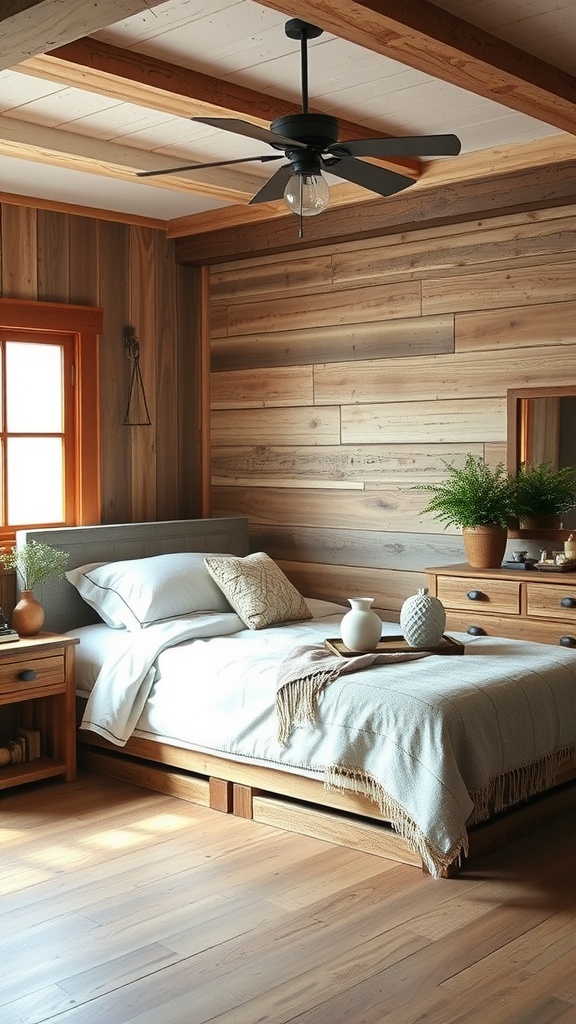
<point>141,591</point>
<point>257,589</point>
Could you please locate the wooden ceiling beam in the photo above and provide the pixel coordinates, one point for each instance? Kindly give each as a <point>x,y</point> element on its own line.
<point>60,148</point>
<point>34,26</point>
<point>438,43</point>
<point>343,194</point>
<point>525,189</point>
<point>149,82</point>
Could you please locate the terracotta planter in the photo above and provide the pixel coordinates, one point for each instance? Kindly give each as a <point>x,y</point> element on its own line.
<point>485,546</point>
<point>28,615</point>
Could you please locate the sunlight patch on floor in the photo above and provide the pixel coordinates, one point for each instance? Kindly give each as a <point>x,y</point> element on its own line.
<point>59,856</point>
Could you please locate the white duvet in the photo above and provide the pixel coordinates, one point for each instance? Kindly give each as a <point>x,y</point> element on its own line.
<point>432,741</point>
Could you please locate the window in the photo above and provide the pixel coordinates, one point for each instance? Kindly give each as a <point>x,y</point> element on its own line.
<point>49,453</point>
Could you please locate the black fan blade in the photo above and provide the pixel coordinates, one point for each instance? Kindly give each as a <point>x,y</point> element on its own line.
<point>202,167</point>
<point>412,145</point>
<point>377,179</point>
<point>251,131</point>
<point>274,187</point>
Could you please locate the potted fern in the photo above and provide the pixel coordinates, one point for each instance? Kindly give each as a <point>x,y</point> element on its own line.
<point>542,494</point>
<point>478,499</point>
<point>34,562</point>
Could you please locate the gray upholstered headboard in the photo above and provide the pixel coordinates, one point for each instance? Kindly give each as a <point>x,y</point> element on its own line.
<point>62,604</point>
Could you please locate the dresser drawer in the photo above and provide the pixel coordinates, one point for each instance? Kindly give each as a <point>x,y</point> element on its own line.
<point>30,675</point>
<point>537,630</point>
<point>468,594</point>
<point>546,601</point>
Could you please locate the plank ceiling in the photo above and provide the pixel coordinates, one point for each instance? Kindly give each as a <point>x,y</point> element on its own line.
<point>91,93</point>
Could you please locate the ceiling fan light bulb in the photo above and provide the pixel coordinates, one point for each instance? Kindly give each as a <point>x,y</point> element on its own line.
<point>307,194</point>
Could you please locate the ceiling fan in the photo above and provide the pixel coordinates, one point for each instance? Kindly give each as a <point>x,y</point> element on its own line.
<point>309,142</point>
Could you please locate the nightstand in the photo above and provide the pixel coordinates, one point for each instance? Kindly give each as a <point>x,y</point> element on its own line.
<point>37,694</point>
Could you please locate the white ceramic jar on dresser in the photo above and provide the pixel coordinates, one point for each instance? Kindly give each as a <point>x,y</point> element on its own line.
<point>522,604</point>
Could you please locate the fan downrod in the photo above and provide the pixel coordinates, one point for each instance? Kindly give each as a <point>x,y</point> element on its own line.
<point>297,29</point>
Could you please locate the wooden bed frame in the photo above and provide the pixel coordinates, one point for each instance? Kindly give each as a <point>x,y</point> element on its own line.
<point>267,795</point>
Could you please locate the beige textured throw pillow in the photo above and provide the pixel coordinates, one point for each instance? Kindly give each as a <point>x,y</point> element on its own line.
<point>257,589</point>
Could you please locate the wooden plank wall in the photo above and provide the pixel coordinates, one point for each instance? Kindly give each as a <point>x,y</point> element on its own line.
<point>345,375</point>
<point>131,272</point>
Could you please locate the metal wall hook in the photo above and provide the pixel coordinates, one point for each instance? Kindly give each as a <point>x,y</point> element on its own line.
<point>137,414</point>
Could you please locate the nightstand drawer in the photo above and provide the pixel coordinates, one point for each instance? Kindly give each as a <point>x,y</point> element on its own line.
<point>27,675</point>
<point>467,594</point>
<point>551,602</point>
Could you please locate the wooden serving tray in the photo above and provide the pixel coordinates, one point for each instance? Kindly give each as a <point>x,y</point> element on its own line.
<point>565,567</point>
<point>396,645</point>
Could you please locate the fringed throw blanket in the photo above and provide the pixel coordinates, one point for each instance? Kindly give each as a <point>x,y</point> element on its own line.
<point>437,745</point>
<point>307,670</point>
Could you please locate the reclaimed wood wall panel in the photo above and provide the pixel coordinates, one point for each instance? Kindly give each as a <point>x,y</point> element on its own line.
<point>426,252</point>
<point>385,509</point>
<point>302,276</point>
<point>413,340</point>
<point>273,426</point>
<point>340,306</point>
<point>402,551</point>
<point>426,335</point>
<point>19,257</point>
<point>167,373</point>
<point>263,387</point>
<point>116,470</point>
<point>218,321</point>
<point>438,422</point>
<point>131,272</point>
<point>142,308</point>
<point>337,583</point>
<point>549,282</point>
<point>461,375</point>
<point>194,425</point>
<point>84,267</point>
<point>337,465</point>
<point>53,256</point>
<point>550,324</point>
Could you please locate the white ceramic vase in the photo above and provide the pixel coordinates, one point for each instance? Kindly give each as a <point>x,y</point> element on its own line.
<point>361,628</point>
<point>422,619</point>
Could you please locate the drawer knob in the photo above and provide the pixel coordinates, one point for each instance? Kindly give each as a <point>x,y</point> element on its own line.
<point>567,641</point>
<point>27,675</point>
<point>568,602</point>
<point>476,631</point>
<point>475,595</point>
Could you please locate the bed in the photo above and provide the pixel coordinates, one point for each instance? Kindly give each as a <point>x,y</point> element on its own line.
<point>426,760</point>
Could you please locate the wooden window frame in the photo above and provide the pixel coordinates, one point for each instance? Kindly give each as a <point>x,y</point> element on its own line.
<point>84,324</point>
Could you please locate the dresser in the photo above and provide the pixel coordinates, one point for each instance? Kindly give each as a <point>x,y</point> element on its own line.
<point>521,604</point>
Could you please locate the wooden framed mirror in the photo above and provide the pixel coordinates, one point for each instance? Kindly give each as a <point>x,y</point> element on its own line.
<point>541,427</point>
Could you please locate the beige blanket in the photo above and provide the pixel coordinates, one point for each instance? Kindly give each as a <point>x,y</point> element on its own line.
<point>307,670</point>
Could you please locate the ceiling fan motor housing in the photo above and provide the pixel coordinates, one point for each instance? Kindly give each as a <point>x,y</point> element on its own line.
<point>316,130</point>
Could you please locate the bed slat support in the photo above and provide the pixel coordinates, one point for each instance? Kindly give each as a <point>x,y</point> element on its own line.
<point>242,801</point>
<point>221,795</point>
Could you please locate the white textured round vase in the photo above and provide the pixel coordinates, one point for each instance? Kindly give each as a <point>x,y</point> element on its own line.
<point>360,628</point>
<point>422,619</point>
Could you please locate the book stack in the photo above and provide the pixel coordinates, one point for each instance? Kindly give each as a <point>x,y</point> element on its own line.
<point>26,747</point>
<point>8,636</point>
